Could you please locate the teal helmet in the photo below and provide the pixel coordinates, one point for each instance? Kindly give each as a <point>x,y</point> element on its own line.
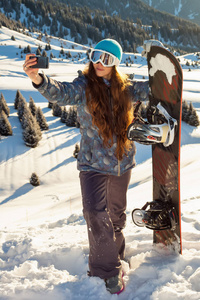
<point>110,46</point>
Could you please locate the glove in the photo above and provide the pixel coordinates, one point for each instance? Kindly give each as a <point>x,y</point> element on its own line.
<point>147,46</point>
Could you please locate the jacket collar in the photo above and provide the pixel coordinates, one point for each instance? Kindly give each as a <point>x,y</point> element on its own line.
<point>107,82</point>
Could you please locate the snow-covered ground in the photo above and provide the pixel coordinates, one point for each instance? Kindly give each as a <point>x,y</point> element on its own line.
<point>43,236</point>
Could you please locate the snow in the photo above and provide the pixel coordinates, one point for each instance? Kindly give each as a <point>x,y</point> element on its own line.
<point>178,8</point>
<point>43,235</point>
<point>192,15</point>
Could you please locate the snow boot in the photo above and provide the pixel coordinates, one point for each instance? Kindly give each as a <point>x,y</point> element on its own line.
<point>115,285</point>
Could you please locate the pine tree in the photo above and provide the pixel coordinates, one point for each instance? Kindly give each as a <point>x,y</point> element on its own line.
<point>189,114</point>
<point>38,52</point>
<point>34,180</point>
<point>26,116</point>
<point>3,105</point>
<point>5,127</point>
<point>31,136</point>
<point>68,55</point>
<point>73,30</point>
<point>76,151</point>
<point>72,117</point>
<point>20,110</point>
<point>62,51</point>
<point>41,119</point>
<point>17,98</point>
<point>48,47</point>
<point>32,106</point>
<point>185,110</point>
<point>56,110</point>
<point>51,55</point>
<point>32,133</point>
<point>36,126</point>
<point>50,105</point>
<point>193,118</point>
<point>64,115</point>
<point>27,49</point>
<point>44,54</point>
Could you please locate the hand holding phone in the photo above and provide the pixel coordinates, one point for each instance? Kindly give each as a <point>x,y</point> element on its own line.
<point>31,71</point>
<point>42,62</point>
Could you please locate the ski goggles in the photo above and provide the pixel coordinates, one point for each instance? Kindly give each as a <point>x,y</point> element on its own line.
<point>105,58</point>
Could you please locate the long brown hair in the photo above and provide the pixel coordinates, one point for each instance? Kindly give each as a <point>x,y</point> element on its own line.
<point>110,107</point>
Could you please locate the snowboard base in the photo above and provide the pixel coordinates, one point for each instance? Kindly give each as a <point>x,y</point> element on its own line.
<point>165,96</point>
<point>166,83</point>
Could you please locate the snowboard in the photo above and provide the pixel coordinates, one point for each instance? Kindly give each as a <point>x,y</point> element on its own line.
<point>165,82</point>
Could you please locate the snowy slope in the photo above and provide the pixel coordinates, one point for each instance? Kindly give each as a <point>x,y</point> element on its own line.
<point>186,9</point>
<point>43,236</point>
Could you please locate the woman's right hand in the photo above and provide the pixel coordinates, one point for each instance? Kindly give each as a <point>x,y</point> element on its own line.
<point>32,72</point>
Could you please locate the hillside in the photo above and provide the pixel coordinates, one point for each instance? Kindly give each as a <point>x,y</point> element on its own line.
<point>130,22</point>
<point>186,9</point>
<point>43,236</point>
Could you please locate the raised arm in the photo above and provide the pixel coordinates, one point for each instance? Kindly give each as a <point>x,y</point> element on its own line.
<point>63,93</point>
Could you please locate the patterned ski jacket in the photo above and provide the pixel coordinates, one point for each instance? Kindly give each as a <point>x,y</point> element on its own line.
<point>93,156</point>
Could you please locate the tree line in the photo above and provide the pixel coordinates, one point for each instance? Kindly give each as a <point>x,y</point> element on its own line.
<point>32,119</point>
<point>86,25</point>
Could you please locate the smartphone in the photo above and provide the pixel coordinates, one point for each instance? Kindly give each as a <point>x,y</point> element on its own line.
<point>42,62</point>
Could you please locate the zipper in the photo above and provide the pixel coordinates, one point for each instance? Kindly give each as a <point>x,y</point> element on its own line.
<point>118,167</point>
<point>112,114</point>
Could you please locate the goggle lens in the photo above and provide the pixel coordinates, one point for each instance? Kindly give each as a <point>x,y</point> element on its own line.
<point>105,58</point>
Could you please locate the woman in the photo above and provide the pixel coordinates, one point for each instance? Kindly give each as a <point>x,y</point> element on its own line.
<point>104,100</point>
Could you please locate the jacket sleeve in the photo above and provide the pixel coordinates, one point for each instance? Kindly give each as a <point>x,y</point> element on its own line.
<point>139,91</point>
<point>63,93</point>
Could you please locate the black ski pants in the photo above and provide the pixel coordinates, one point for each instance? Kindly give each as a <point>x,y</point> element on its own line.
<point>104,205</point>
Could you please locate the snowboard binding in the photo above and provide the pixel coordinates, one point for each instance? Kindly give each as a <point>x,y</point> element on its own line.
<point>160,127</point>
<point>160,216</point>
